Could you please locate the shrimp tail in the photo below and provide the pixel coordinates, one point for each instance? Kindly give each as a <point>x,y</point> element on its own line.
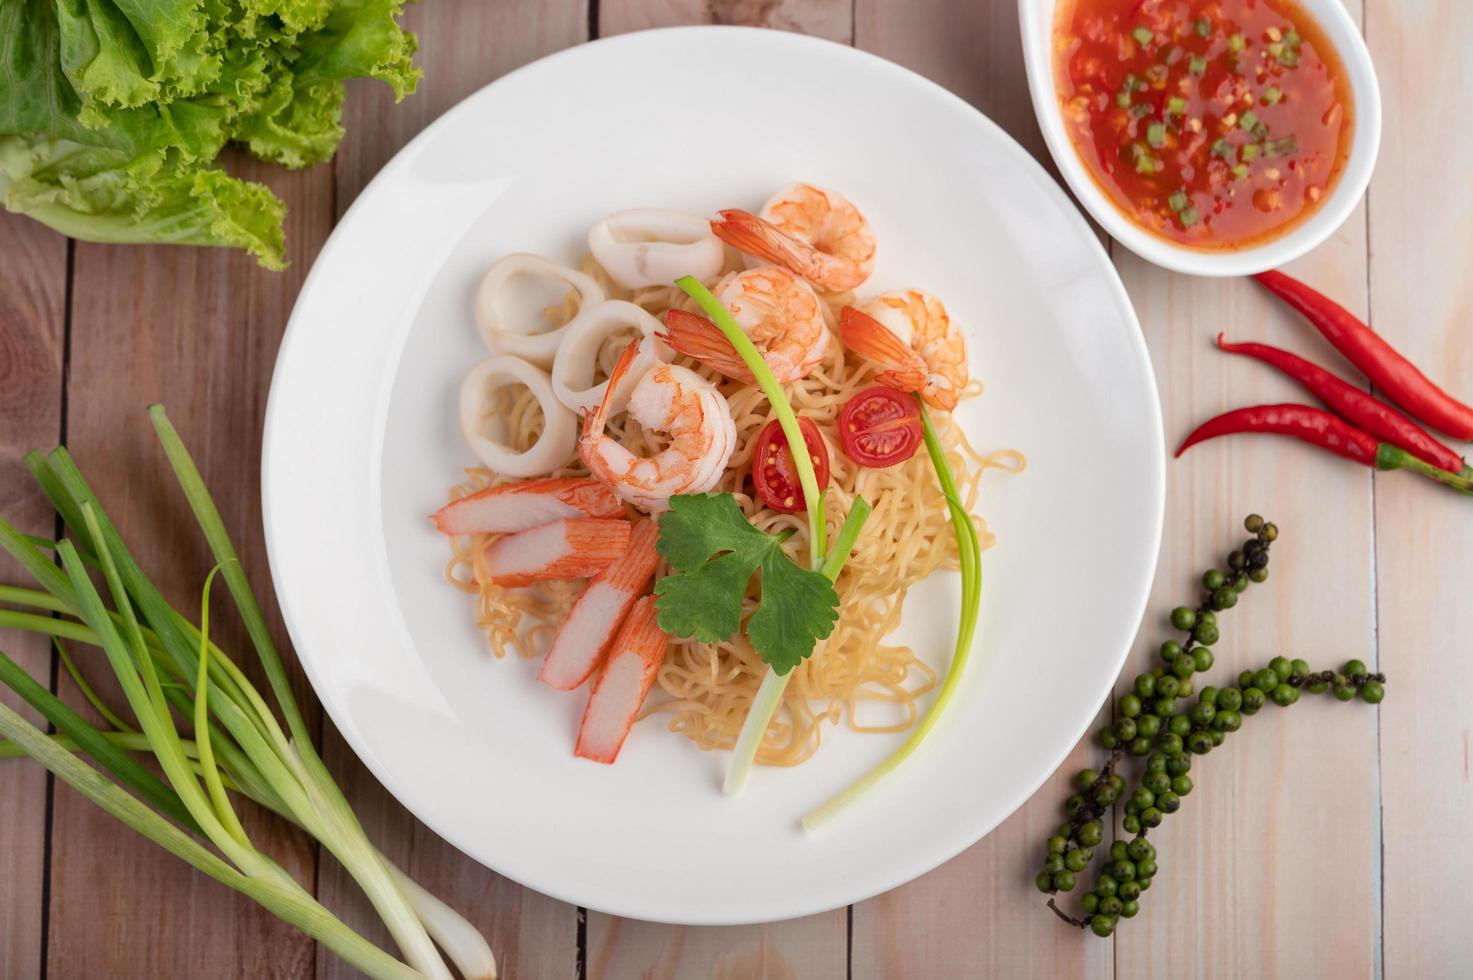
<point>751,235</point>
<point>871,339</point>
<point>695,336</point>
<point>594,419</point>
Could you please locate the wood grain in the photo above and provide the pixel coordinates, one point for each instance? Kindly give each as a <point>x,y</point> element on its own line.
<point>196,329</point>
<point>972,49</point>
<point>1278,842</point>
<point>464,44</point>
<point>1422,301</point>
<point>798,949</point>
<point>979,915</point>
<point>32,312</point>
<point>831,19</point>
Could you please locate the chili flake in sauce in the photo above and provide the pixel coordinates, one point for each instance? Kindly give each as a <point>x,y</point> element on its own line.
<point>1214,123</point>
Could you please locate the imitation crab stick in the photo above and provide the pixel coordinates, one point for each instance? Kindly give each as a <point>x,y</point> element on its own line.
<point>567,548</point>
<point>519,506</point>
<point>586,633</point>
<point>634,659</point>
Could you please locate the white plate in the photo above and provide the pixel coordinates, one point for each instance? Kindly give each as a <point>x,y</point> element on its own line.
<point>361,444</point>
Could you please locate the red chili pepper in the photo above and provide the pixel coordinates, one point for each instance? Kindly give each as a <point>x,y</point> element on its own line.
<point>1319,428</point>
<point>1374,357</point>
<point>1354,405</point>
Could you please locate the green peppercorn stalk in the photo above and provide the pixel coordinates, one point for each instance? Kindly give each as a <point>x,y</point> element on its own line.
<point>1150,724</point>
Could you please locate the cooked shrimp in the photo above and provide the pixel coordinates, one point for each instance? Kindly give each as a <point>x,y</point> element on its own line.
<point>694,336</point>
<point>816,233</point>
<point>910,333</point>
<point>778,311</point>
<point>669,399</point>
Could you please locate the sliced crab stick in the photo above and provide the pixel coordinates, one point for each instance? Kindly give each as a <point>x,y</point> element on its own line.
<point>586,633</point>
<point>563,549</point>
<point>518,506</point>
<point>634,659</point>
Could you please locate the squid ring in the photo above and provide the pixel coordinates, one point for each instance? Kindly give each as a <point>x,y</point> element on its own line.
<point>655,247</point>
<point>572,370</point>
<point>504,337</point>
<point>559,438</point>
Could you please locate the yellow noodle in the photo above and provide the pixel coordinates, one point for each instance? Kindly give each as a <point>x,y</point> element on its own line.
<point>706,688</point>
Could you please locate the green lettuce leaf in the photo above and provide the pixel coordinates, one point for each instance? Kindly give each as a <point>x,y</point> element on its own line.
<point>115,110</point>
<point>93,194</point>
<point>361,38</point>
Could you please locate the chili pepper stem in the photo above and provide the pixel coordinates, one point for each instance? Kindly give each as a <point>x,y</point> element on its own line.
<point>1389,457</point>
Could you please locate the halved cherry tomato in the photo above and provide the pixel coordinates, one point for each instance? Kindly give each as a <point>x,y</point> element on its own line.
<point>773,473</point>
<point>880,427</point>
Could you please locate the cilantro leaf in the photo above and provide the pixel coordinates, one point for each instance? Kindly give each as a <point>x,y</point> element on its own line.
<point>705,603</point>
<point>698,526</point>
<point>714,550</point>
<point>799,607</point>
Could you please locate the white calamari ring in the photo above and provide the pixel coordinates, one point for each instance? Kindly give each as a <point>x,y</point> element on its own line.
<point>559,438</point>
<point>504,337</point>
<point>572,370</point>
<point>655,247</point>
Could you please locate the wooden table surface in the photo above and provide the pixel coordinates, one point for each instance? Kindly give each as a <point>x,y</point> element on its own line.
<point>1332,840</point>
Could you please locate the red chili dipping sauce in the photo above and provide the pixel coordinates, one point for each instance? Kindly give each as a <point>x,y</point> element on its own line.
<point>1218,124</point>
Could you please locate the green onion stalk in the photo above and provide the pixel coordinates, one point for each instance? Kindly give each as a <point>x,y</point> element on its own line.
<point>770,692</point>
<point>970,555</point>
<point>170,669</point>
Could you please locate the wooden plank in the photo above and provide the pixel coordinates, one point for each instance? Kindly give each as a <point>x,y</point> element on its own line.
<point>1250,846</point>
<point>809,947</point>
<point>464,44</point>
<point>812,947</point>
<point>971,48</point>
<point>32,310</point>
<point>196,329</point>
<point>977,915</point>
<point>1420,300</point>
<point>830,19</point>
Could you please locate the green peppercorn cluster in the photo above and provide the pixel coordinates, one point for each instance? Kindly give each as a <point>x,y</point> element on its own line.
<point>1152,722</point>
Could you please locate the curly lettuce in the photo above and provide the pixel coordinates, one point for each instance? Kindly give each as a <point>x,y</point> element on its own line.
<point>114,112</point>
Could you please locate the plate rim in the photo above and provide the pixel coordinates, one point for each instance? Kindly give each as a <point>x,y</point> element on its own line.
<point>1049,186</point>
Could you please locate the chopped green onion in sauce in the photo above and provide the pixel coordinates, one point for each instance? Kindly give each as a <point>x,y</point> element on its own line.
<point>1215,123</point>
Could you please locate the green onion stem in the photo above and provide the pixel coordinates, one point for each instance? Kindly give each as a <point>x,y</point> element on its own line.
<point>770,693</point>
<point>343,835</point>
<point>238,745</point>
<point>34,598</point>
<point>97,703</point>
<point>290,903</point>
<point>781,407</point>
<point>68,722</point>
<point>969,553</point>
<point>209,771</point>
